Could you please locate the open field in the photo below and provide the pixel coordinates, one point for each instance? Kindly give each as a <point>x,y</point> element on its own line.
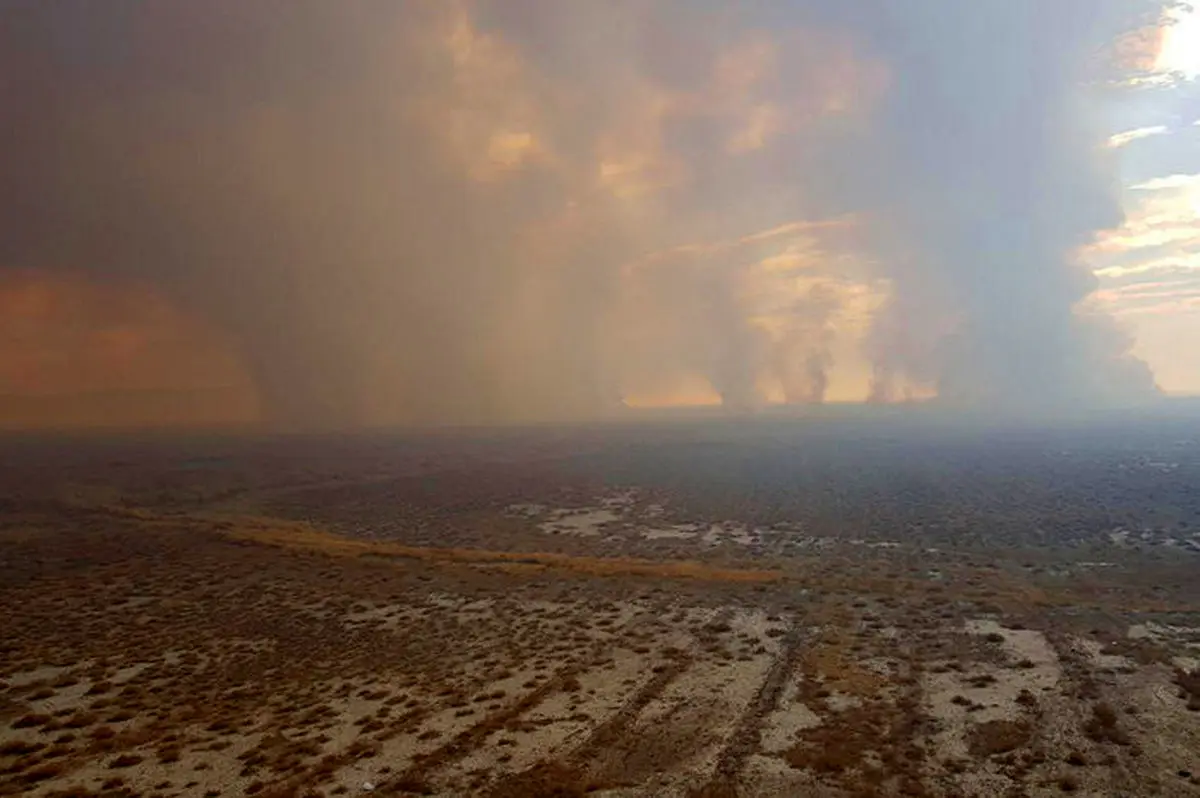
<point>768,608</point>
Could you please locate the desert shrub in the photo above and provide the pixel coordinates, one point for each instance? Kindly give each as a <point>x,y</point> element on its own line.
<point>548,780</point>
<point>41,773</point>
<point>125,761</point>
<point>20,748</point>
<point>1102,727</point>
<point>30,721</point>
<point>103,733</point>
<point>828,759</point>
<point>997,737</point>
<point>412,786</point>
<point>79,720</point>
<point>56,751</point>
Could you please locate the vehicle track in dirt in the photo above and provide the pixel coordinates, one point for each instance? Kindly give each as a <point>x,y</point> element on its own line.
<point>747,734</point>
<point>575,770</point>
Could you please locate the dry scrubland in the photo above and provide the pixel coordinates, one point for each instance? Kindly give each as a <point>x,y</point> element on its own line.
<point>521,617</point>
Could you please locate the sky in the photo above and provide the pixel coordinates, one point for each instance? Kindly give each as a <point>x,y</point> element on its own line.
<point>1149,267</point>
<point>319,215</point>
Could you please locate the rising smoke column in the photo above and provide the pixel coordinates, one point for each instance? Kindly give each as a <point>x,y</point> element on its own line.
<point>426,211</point>
<point>414,211</point>
<point>325,182</point>
<point>802,354</point>
<point>992,176</point>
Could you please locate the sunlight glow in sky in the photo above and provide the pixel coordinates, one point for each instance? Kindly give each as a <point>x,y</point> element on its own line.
<point>1149,268</point>
<point>1181,45</point>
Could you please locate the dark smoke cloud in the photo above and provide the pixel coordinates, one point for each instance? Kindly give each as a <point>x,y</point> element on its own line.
<point>992,180</point>
<point>438,211</point>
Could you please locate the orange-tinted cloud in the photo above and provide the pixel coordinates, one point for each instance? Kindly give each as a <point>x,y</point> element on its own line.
<point>64,338</point>
<point>499,210</point>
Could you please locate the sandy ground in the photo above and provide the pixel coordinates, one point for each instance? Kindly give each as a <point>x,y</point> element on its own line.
<point>175,657</point>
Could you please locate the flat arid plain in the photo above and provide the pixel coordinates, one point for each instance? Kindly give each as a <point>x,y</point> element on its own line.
<point>833,606</point>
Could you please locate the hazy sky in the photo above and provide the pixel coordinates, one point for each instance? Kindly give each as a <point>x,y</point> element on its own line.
<point>395,211</point>
<point>1149,268</point>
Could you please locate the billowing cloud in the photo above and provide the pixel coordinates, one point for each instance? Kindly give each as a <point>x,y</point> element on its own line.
<point>521,209</point>
<point>1151,264</point>
<point>79,352</point>
<point>60,333</point>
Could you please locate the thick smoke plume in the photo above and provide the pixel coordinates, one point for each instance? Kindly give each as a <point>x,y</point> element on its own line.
<point>992,181</point>
<point>433,211</point>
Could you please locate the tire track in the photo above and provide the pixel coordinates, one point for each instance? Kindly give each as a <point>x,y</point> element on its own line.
<point>613,730</point>
<point>571,771</point>
<point>413,778</point>
<point>747,734</point>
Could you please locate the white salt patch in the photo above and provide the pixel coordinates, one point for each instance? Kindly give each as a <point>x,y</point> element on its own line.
<point>45,673</point>
<point>999,698</point>
<point>673,532</point>
<point>1186,663</point>
<point>838,701</point>
<point>586,522</point>
<point>732,532</point>
<point>1158,631</point>
<point>1093,650</point>
<point>1020,644</point>
<point>528,510</point>
<point>620,500</point>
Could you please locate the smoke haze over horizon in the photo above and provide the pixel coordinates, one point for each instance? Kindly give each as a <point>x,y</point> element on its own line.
<point>505,210</point>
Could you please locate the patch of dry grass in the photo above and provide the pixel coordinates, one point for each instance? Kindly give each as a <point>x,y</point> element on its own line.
<point>301,536</point>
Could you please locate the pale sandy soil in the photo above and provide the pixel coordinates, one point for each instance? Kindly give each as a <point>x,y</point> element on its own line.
<point>163,658</point>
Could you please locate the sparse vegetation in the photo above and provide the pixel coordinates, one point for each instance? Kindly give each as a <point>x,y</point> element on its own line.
<point>418,630</point>
<point>1104,727</point>
<point>997,737</point>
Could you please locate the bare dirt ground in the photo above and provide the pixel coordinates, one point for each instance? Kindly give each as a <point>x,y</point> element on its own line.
<point>562,641</point>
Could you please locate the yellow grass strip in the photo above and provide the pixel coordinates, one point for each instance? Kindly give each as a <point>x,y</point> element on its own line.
<point>284,534</point>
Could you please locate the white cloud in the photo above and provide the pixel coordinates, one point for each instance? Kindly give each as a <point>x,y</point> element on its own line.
<point>1168,183</point>
<point>1121,139</point>
<point>1150,266</point>
<point>1179,263</point>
